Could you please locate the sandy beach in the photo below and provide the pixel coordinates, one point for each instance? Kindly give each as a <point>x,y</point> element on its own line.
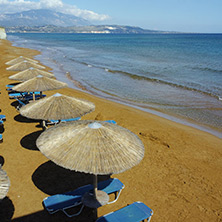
<point>179,178</point>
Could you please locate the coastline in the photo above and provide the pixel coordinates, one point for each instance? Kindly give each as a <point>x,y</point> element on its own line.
<point>199,113</point>
<point>179,176</point>
<point>149,110</point>
<point>76,85</point>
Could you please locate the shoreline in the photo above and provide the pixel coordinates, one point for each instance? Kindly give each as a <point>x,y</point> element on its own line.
<point>185,121</point>
<point>183,118</point>
<point>179,177</point>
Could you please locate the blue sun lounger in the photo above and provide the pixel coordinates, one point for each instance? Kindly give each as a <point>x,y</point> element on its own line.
<point>21,103</point>
<point>17,95</point>
<point>110,121</point>
<point>9,87</point>
<point>134,212</point>
<point>1,138</point>
<point>30,96</point>
<point>25,100</point>
<point>2,117</point>
<point>71,199</point>
<point>1,122</point>
<point>22,94</point>
<point>54,122</point>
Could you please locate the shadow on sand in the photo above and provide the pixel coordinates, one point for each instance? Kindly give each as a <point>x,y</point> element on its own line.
<point>22,119</point>
<point>6,210</point>
<point>14,104</point>
<point>29,141</point>
<point>2,161</point>
<point>2,129</point>
<point>53,179</point>
<point>44,216</point>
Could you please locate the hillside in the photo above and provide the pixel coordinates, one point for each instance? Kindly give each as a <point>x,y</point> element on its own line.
<point>49,21</point>
<point>108,29</point>
<point>41,17</point>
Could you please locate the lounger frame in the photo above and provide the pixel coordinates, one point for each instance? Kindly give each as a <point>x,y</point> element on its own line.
<point>78,193</point>
<point>134,212</point>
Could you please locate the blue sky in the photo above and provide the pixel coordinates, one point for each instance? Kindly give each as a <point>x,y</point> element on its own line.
<point>168,15</point>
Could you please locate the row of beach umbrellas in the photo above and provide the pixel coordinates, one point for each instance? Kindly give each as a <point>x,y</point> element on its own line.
<point>95,147</point>
<point>32,76</point>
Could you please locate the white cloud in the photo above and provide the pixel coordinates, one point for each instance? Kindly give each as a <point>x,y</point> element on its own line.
<point>7,6</point>
<point>50,4</point>
<point>86,14</point>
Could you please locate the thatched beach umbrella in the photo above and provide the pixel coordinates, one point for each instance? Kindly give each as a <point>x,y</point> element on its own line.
<point>57,107</point>
<point>29,74</point>
<point>94,147</point>
<point>4,184</point>
<point>20,59</point>
<point>39,83</point>
<point>24,65</point>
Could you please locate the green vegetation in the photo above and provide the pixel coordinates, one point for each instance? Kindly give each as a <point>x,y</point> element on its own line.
<point>114,29</point>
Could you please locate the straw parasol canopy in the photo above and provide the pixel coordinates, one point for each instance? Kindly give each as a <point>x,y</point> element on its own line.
<point>29,74</point>
<point>4,184</point>
<point>94,147</point>
<point>57,107</point>
<point>20,59</point>
<point>39,83</point>
<point>24,65</point>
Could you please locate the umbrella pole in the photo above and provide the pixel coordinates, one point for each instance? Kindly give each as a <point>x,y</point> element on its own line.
<point>33,96</point>
<point>95,185</point>
<point>44,125</point>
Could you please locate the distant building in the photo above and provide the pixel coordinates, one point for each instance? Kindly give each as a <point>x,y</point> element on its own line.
<point>2,33</point>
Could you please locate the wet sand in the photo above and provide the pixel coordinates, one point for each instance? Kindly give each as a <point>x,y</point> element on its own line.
<point>179,178</point>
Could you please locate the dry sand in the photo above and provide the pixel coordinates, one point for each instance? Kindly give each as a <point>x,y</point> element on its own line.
<point>179,178</point>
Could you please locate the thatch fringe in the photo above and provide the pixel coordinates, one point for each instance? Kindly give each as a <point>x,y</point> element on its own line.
<point>105,150</point>
<point>24,65</point>
<point>39,83</point>
<point>29,74</point>
<point>20,59</point>
<point>57,107</point>
<point>4,184</point>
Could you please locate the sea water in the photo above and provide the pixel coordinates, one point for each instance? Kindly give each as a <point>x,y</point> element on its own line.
<point>177,76</point>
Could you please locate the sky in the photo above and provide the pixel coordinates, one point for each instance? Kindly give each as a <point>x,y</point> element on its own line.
<point>203,16</point>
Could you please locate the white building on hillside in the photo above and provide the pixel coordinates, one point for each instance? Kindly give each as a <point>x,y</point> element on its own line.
<point>2,33</point>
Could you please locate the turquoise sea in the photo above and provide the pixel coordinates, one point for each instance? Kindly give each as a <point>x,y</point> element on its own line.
<point>177,76</point>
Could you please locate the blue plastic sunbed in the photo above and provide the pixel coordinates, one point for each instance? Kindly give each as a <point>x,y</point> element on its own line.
<point>25,100</point>
<point>21,103</point>
<point>1,122</point>
<point>52,122</point>
<point>2,117</point>
<point>30,96</point>
<point>73,198</point>
<point>1,138</point>
<point>17,95</point>
<point>134,212</point>
<point>111,121</point>
<point>10,86</point>
<point>22,94</point>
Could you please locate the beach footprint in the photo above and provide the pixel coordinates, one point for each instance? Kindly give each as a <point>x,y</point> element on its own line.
<point>154,138</point>
<point>99,117</point>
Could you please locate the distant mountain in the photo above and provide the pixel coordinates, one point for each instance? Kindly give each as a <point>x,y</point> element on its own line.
<point>49,21</point>
<point>107,29</point>
<point>41,17</point>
